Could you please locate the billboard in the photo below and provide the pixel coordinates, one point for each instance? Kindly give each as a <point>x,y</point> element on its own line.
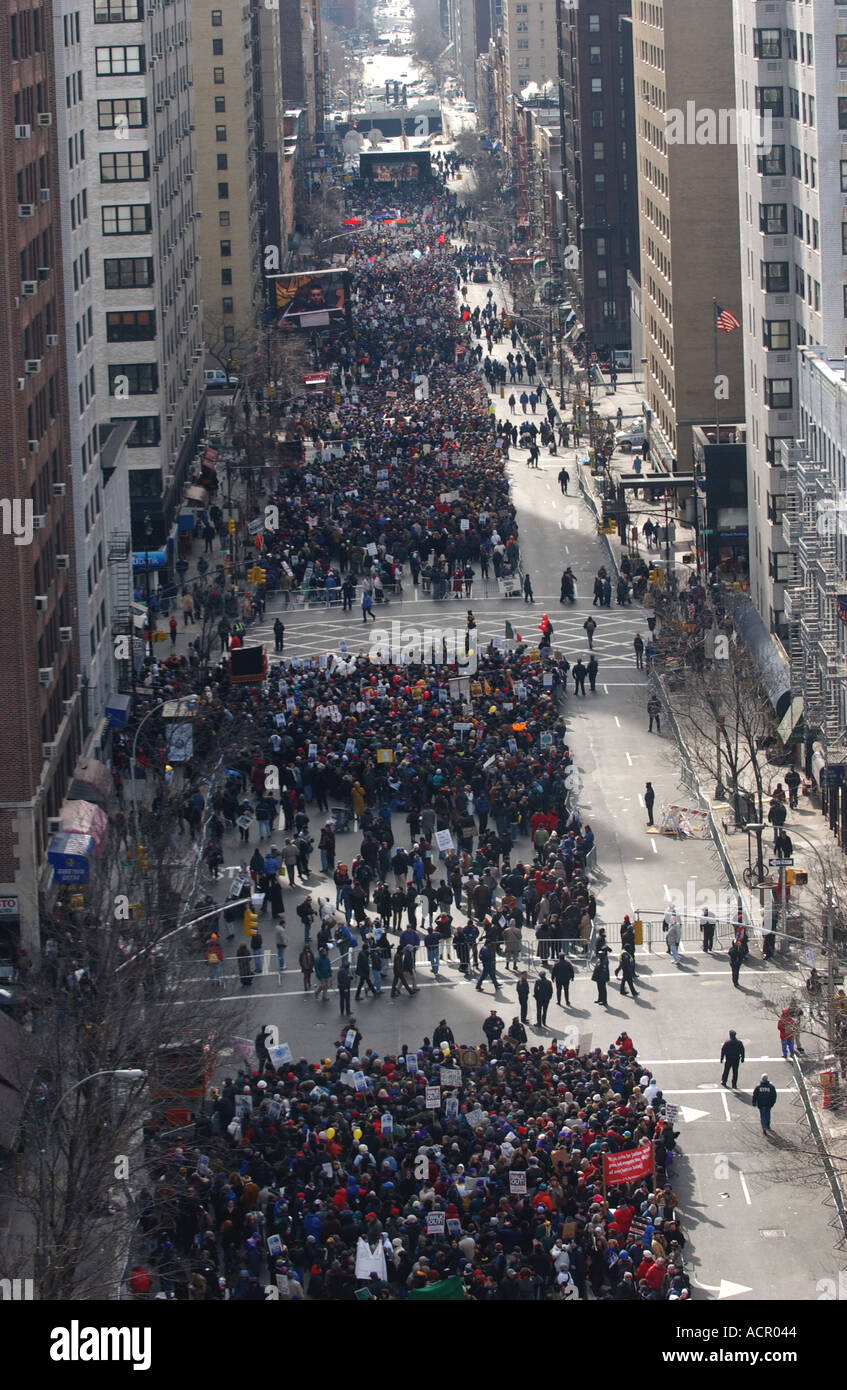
<point>402,166</point>
<point>313,298</point>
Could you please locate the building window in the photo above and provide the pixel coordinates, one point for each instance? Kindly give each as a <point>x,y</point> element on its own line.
<point>220,104</point>
<point>128,166</point>
<point>132,326</point>
<point>226,248</point>
<point>217,48</point>
<point>796,163</point>
<point>130,220</point>
<point>229,333</point>
<point>842,113</point>
<point>596,86</point>
<point>523,43</point>
<point>147,432</point>
<point>223,162</point>
<point>841,50</point>
<point>776,507</point>
<point>142,378</point>
<point>599,184</point>
<point>220,133</point>
<point>121,111</point>
<point>776,334</point>
<point>223,190</point>
<point>217,76</point>
<point>120,61</point>
<point>771,442</point>
<point>599,151</point>
<point>594,24</point>
<point>794,103</point>
<point>217,18</point>
<point>767,43</point>
<point>844,290</point>
<point>598,119</point>
<point>775,277</point>
<point>778,566</point>
<point>226,305</point>
<point>595,57</point>
<point>770,100</point>
<point>771,161</point>
<point>223,219</point>
<point>226,276</point>
<point>773,218</point>
<point>117,11</point>
<point>800,281</point>
<point>844,238</point>
<point>128,272</point>
<point>779,392</point>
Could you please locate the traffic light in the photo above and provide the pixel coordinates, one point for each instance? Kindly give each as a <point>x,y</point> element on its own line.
<point>256,575</point>
<point>251,923</point>
<point>141,856</point>
<point>230,526</point>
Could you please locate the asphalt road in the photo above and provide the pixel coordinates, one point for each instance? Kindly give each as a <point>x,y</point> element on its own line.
<point>756,1209</point>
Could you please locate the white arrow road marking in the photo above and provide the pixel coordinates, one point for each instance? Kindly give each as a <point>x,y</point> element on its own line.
<point>725,1289</point>
<point>689,1114</point>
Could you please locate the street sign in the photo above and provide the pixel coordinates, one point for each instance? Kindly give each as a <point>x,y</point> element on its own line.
<point>780,863</point>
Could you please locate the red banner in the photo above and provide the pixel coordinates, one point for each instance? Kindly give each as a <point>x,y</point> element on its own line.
<point>628,1166</point>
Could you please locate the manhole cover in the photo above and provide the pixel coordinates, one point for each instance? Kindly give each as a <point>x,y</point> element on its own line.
<point>772,1235</point>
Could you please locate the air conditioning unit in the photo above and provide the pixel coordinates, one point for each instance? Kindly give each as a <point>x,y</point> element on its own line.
<point>160,108</point>
<point>43,271</point>
<point>48,753</point>
<point>66,634</point>
<point>45,118</point>
<point>26,209</point>
<point>29,288</point>
<point>45,675</point>
<point>41,602</point>
<point>23,132</point>
<point>34,445</point>
<point>45,195</point>
<point>170,415</point>
<point>54,825</point>
<point>39,522</point>
<point>59,489</point>
<point>63,562</point>
<point>21,383</point>
<point>32,365</point>
<point>52,340</point>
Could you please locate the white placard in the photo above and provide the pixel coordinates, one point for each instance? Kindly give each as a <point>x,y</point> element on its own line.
<point>444,840</point>
<point>517,1182</point>
<point>433,1097</point>
<point>435,1222</point>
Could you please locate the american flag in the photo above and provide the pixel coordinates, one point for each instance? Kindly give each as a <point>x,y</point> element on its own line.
<point>725,320</point>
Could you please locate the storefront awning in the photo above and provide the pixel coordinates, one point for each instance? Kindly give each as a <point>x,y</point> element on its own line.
<point>790,720</point>
<point>772,670</point>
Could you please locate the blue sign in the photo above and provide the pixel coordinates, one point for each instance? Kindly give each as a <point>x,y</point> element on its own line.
<point>149,559</point>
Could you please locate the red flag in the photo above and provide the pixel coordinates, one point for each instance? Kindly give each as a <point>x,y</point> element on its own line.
<point>441,240</point>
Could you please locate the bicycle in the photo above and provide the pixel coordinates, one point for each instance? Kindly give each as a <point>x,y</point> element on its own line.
<point>752,878</point>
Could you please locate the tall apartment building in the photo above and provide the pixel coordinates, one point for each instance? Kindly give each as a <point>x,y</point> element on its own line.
<point>599,173</point>
<point>688,219</point>
<point>129,225</point>
<point>470,30</point>
<point>40,734</point>
<point>102,549</point>
<point>813,513</point>
<point>791,69</point>
<point>529,38</point>
<point>302,62</point>
<point>227,190</point>
<point>276,229</point>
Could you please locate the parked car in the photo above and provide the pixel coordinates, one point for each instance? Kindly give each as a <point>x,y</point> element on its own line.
<point>629,440</point>
<point>217,380</point>
<point>479,276</point>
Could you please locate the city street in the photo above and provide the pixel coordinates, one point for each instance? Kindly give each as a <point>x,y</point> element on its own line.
<point>738,1190</point>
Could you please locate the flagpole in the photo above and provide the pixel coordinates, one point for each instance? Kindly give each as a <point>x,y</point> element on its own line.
<point>717,397</point>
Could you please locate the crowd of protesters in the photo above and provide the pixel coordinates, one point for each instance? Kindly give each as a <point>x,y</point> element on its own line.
<point>337,1180</point>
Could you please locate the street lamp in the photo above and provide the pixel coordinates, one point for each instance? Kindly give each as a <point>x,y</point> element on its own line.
<point>148,531</point>
<point>121,1073</point>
